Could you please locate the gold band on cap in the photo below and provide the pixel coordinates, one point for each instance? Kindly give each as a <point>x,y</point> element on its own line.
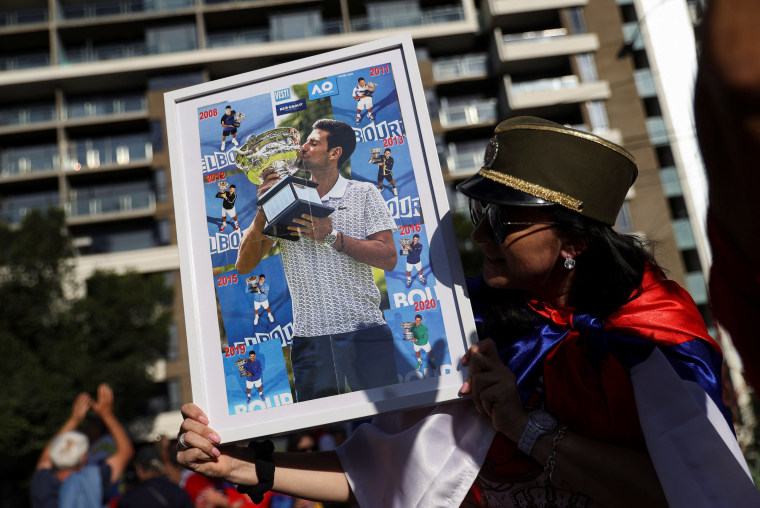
<point>532,189</point>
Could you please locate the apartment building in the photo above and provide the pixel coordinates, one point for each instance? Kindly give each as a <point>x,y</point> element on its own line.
<point>82,116</point>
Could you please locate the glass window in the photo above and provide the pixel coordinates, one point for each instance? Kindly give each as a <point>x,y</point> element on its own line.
<point>171,38</point>
<point>295,25</point>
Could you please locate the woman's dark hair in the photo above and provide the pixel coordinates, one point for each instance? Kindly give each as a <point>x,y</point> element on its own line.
<point>608,274</point>
<point>609,271</point>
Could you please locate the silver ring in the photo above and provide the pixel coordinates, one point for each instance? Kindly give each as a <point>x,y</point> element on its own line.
<point>181,442</point>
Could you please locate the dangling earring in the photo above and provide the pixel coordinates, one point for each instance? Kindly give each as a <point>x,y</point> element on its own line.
<point>569,263</point>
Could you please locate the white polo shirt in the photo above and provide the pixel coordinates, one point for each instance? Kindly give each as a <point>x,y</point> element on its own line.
<point>331,291</point>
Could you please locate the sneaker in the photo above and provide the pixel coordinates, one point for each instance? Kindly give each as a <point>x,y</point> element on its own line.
<point>262,396</point>
<point>408,283</point>
<point>223,145</point>
<point>380,188</point>
<point>234,142</point>
<point>237,228</point>
<point>419,364</point>
<point>224,225</point>
<point>358,119</point>
<point>249,400</point>
<point>271,318</point>
<point>423,281</point>
<point>370,117</point>
<point>256,320</point>
<point>395,191</point>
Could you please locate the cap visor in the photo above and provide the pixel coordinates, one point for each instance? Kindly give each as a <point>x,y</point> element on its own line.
<point>478,187</point>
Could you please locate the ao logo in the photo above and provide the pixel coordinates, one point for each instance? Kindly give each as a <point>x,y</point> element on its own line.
<point>322,88</point>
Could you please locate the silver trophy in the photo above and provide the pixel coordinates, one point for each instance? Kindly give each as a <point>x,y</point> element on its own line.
<point>406,246</point>
<point>407,326</point>
<point>240,364</point>
<point>291,196</point>
<point>223,186</point>
<point>377,156</point>
<point>252,281</point>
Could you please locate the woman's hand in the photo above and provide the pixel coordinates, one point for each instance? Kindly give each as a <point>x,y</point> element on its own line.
<point>494,389</point>
<point>197,451</point>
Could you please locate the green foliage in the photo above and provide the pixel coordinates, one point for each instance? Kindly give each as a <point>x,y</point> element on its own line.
<point>59,343</point>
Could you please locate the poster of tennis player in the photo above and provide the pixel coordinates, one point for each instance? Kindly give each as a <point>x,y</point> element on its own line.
<point>310,196</point>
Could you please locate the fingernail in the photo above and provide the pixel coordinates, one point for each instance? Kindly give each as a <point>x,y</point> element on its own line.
<point>215,438</point>
<point>465,387</point>
<point>216,452</point>
<point>203,420</point>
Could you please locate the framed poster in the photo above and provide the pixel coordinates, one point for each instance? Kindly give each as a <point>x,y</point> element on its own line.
<point>357,309</point>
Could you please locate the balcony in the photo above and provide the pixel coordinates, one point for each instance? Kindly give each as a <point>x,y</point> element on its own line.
<point>415,17</point>
<point>15,207</point>
<point>118,151</point>
<point>555,42</point>
<point>238,37</point>
<point>495,8</point>
<point>458,68</point>
<point>119,8</point>
<point>465,159</point>
<point>23,17</point>
<point>474,113</point>
<point>110,202</point>
<point>20,61</point>
<point>91,107</point>
<point>27,114</point>
<point>551,91</point>
<point>28,160</point>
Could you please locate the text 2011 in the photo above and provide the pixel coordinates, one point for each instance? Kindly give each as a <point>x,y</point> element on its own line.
<point>424,305</point>
<point>234,350</point>
<point>210,113</point>
<point>376,71</point>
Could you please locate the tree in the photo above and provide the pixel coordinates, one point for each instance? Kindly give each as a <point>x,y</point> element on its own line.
<point>57,345</point>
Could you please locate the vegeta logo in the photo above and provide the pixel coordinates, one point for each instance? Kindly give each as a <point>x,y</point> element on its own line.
<point>282,95</point>
<point>291,107</point>
<point>323,88</point>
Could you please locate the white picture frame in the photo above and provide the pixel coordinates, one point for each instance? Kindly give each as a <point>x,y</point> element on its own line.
<point>274,97</point>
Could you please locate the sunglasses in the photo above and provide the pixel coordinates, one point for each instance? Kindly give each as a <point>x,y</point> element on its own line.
<point>497,219</point>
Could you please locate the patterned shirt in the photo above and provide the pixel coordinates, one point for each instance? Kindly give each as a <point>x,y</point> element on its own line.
<point>331,291</point>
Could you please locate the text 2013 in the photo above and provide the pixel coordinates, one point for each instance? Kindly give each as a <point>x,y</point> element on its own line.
<point>211,113</point>
<point>234,350</point>
<point>412,228</point>
<point>227,279</point>
<point>395,140</point>
<point>376,71</point>
<point>213,177</point>
<point>424,305</point>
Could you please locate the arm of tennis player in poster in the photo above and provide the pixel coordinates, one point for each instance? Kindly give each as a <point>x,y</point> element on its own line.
<point>255,244</point>
<point>378,250</point>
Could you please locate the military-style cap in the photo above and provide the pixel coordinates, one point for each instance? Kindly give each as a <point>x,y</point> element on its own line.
<point>534,162</point>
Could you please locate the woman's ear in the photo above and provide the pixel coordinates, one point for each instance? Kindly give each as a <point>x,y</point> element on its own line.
<point>573,248</point>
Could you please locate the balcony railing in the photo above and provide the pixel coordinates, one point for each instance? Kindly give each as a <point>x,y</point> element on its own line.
<point>120,150</point>
<point>13,212</point>
<point>120,7</point>
<point>105,106</point>
<point>445,14</point>
<point>237,37</point>
<point>559,83</point>
<point>23,16</point>
<point>29,159</point>
<point>111,202</point>
<point>536,35</point>
<point>468,66</point>
<point>24,61</point>
<point>481,112</point>
<point>27,114</point>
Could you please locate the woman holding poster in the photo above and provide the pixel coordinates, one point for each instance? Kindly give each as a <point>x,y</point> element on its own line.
<point>591,358</point>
